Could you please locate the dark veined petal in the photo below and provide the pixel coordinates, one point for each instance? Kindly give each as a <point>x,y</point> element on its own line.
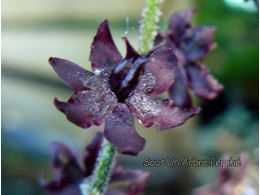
<point>161,66</point>
<point>202,82</point>
<point>68,172</point>
<point>127,182</point>
<point>74,76</point>
<point>88,107</point>
<point>159,113</point>
<point>104,55</point>
<point>178,23</point>
<point>196,42</point>
<point>92,149</point>
<point>179,90</point>
<point>121,133</point>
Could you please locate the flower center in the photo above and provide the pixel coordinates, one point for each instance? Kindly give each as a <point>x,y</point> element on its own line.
<point>125,76</point>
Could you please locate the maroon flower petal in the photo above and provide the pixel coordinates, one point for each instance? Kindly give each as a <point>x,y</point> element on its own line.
<point>130,51</point>
<point>93,150</point>
<point>159,113</point>
<point>179,90</point>
<point>88,107</point>
<point>74,76</point>
<point>64,161</point>
<point>104,54</point>
<point>121,133</point>
<point>161,66</point>
<point>196,42</point>
<point>127,182</point>
<point>202,82</point>
<point>68,172</point>
<point>178,24</point>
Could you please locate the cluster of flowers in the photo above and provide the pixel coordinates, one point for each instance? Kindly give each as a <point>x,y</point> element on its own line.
<point>120,89</point>
<point>70,173</point>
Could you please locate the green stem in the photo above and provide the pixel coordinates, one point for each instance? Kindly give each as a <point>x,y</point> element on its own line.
<point>148,28</point>
<point>96,184</point>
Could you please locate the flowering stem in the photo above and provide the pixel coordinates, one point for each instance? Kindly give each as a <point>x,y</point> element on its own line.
<point>96,184</point>
<point>150,14</point>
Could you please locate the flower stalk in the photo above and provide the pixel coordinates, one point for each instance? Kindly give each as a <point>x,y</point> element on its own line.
<point>148,27</point>
<point>96,185</point>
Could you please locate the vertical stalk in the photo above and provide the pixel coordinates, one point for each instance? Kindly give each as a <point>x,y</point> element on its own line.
<point>96,184</point>
<point>148,28</point>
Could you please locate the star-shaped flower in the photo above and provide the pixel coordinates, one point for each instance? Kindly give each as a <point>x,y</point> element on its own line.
<point>191,44</point>
<point>119,89</point>
<point>70,174</point>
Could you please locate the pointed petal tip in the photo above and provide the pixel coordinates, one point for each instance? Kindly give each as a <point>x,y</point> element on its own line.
<point>195,110</point>
<point>104,54</point>
<point>103,24</point>
<point>52,61</point>
<point>59,104</point>
<point>210,31</point>
<point>124,38</point>
<point>130,51</point>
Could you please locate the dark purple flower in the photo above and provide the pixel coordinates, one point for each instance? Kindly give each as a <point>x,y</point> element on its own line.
<point>191,44</point>
<point>70,174</point>
<point>120,87</point>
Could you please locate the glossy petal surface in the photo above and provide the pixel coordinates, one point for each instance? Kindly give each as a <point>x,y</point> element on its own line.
<point>196,42</point>
<point>159,113</point>
<point>88,107</point>
<point>104,55</point>
<point>202,82</point>
<point>121,133</point>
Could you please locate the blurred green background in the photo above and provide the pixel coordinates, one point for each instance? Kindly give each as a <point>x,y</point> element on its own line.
<point>34,30</point>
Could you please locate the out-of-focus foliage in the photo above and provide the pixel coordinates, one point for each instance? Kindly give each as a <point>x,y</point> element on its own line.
<point>235,61</point>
